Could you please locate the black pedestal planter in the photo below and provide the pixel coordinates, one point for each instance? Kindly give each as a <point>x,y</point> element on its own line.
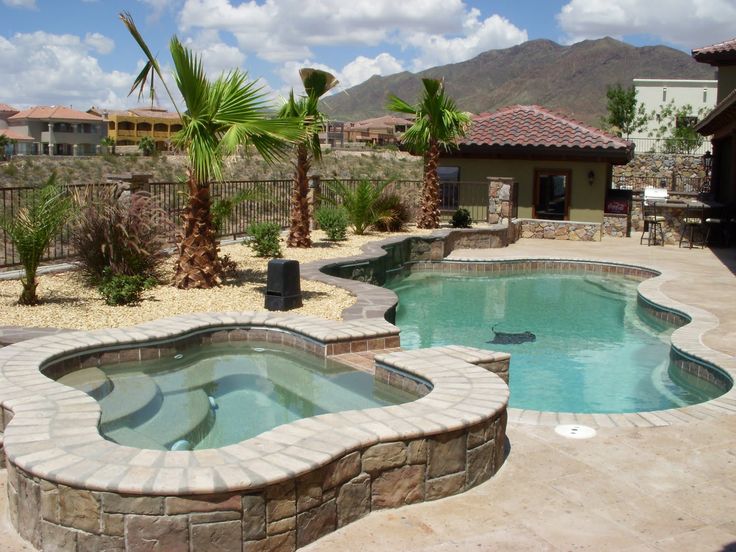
<point>283,290</point>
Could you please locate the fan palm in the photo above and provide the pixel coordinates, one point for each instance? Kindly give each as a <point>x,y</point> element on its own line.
<point>220,115</point>
<point>438,124</point>
<point>32,229</point>
<point>316,84</point>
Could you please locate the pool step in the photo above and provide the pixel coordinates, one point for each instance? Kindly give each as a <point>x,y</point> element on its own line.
<point>92,381</point>
<point>181,416</point>
<point>132,438</point>
<point>133,400</point>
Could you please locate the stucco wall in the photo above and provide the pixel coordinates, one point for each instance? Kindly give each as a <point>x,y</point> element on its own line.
<point>586,201</point>
<point>726,81</point>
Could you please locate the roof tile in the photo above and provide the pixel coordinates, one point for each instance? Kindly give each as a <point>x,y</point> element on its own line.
<point>54,112</point>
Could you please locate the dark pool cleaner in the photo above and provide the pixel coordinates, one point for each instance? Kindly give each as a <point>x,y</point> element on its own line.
<point>509,338</point>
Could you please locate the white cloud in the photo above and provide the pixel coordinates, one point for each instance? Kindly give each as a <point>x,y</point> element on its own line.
<point>363,68</point>
<point>286,30</point>
<point>45,68</point>
<point>29,4</point>
<point>217,56</point>
<point>157,8</point>
<point>478,36</point>
<point>686,23</point>
<point>99,42</point>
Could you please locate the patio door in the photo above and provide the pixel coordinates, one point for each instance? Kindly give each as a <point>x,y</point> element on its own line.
<point>552,194</point>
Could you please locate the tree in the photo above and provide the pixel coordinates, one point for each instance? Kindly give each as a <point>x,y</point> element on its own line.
<point>625,116</point>
<point>147,146</point>
<point>438,124</point>
<point>4,143</point>
<point>33,227</point>
<point>316,84</point>
<point>676,128</point>
<point>220,115</point>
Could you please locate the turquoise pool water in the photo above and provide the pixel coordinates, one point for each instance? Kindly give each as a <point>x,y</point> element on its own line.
<point>221,394</point>
<point>595,349</point>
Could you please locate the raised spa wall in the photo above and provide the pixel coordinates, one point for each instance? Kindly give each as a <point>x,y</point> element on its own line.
<point>71,490</point>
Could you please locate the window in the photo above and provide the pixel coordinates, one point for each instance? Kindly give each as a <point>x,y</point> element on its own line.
<point>705,95</point>
<point>664,94</point>
<point>551,194</point>
<point>449,189</point>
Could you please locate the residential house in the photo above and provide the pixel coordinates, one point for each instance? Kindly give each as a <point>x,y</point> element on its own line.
<point>378,131</point>
<point>56,130</point>
<point>127,127</point>
<point>16,138</point>
<point>720,123</point>
<point>561,169</point>
<point>655,94</point>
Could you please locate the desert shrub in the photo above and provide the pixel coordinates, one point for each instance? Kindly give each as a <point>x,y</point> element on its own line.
<point>333,220</point>
<point>360,203</point>
<point>119,236</point>
<point>395,214</point>
<point>461,218</point>
<point>147,146</point>
<point>265,239</point>
<point>123,289</point>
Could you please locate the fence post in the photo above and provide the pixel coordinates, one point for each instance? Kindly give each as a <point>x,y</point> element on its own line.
<point>315,190</point>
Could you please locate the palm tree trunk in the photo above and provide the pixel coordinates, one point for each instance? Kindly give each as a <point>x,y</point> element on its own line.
<point>429,217</point>
<point>28,295</point>
<point>198,265</point>
<point>299,228</point>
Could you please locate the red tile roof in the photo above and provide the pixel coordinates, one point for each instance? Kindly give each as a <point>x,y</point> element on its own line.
<point>5,108</point>
<point>137,112</point>
<point>716,53</point>
<point>54,113</point>
<point>13,135</point>
<point>532,126</point>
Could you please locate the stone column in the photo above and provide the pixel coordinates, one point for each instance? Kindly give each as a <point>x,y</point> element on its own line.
<point>75,150</point>
<point>315,189</point>
<point>52,139</point>
<point>499,199</point>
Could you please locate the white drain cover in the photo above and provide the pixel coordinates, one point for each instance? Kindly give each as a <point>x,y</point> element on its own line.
<point>575,431</point>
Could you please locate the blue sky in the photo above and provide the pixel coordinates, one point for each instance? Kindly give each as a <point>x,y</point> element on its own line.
<point>77,52</point>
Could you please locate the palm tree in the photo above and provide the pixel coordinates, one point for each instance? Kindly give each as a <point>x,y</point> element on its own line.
<point>220,115</point>
<point>32,229</point>
<point>316,84</point>
<point>438,124</point>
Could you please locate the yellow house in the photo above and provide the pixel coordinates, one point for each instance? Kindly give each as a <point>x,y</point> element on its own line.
<point>127,127</point>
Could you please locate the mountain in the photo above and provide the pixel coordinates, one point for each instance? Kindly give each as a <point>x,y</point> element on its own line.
<point>571,79</point>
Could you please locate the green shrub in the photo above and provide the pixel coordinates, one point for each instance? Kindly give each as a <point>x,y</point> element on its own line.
<point>123,236</point>
<point>360,203</point>
<point>147,146</point>
<point>334,221</point>
<point>461,218</point>
<point>395,214</point>
<point>265,239</point>
<point>122,289</point>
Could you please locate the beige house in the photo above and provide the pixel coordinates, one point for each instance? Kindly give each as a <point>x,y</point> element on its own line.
<point>56,130</point>
<point>378,131</point>
<point>561,169</point>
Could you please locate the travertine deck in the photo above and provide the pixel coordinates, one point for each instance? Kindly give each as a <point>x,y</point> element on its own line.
<point>667,488</point>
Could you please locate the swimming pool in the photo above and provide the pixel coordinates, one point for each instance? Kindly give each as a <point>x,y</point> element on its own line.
<point>219,394</point>
<point>595,349</point>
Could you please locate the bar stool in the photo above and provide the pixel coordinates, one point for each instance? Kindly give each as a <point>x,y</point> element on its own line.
<point>652,222</point>
<point>694,219</point>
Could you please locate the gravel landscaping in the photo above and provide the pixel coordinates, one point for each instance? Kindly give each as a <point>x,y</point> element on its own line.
<point>67,303</point>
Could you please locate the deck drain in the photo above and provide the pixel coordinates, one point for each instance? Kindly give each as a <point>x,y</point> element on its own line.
<point>575,431</point>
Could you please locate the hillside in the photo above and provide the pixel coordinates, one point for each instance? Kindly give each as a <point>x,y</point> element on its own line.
<point>31,171</point>
<point>572,79</point>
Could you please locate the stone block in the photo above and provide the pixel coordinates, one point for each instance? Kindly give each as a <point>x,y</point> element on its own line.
<point>384,456</point>
<point>446,454</point>
<point>309,491</point>
<point>316,523</point>
<point>213,503</point>
<point>217,537</point>
<point>80,509</point>
<point>99,543</point>
<point>285,542</point>
<point>478,434</point>
<point>398,487</point>
<point>132,504</point>
<point>341,470</point>
<point>57,538</point>
<point>354,500</point>
<point>50,505</point>
<point>480,463</point>
<point>281,526</point>
<point>113,524</point>
<point>254,517</point>
<point>280,501</point>
<point>156,533</point>
<point>417,452</point>
<point>28,510</point>
<point>213,517</point>
<point>445,486</point>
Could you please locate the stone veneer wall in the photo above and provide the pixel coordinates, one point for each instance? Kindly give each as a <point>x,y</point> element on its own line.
<point>500,199</point>
<point>560,230</point>
<point>117,508</point>
<point>660,165</point>
<point>615,225</point>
